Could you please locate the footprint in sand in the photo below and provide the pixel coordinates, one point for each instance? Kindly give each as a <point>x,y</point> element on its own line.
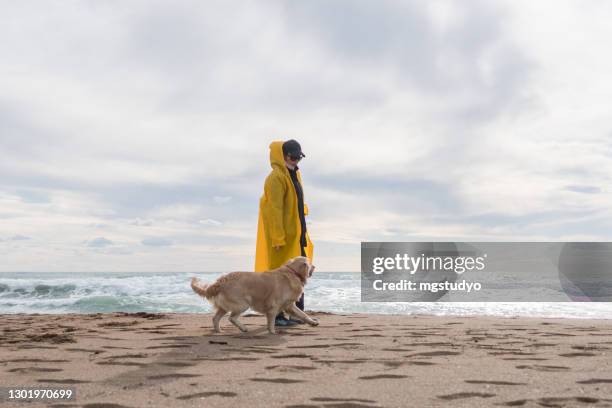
<point>510,353</point>
<point>568,401</point>
<point>543,344</point>
<point>556,334</point>
<point>118,324</point>
<point>557,401</point>
<point>30,347</point>
<point>121,363</point>
<point>291,356</point>
<point>249,350</point>
<point>173,376</point>
<point>86,350</point>
<point>134,355</point>
<point>177,364</point>
<point>461,395</point>
<point>494,382</point>
<point>356,361</point>
<point>596,381</point>
<point>368,335</point>
<point>382,376</point>
<point>330,399</point>
<point>363,329</point>
<point>428,344</point>
<point>434,353</point>
<point>334,405</point>
<point>207,394</point>
<point>226,358</point>
<point>421,363</point>
<point>590,347</point>
<point>33,360</point>
<point>55,338</point>
<point>525,359</point>
<point>24,370</point>
<point>542,367</point>
<point>277,380</point>
<point>290,368</point>
<point>325,345</point>
<point>577,355</point>
<point>170,346</point>
<point>143,315</point>
<point>515,403</point>
<point>268,348</point>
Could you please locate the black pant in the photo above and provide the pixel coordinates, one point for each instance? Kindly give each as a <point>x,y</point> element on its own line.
<point>300,301</point>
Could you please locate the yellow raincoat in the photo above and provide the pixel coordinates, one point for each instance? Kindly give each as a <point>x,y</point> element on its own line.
<point>279,220</point>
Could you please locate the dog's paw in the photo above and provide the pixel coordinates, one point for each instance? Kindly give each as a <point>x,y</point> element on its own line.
<point>244,329</point>
<point>315,322</point>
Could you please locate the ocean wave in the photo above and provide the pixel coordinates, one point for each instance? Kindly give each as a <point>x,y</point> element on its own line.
<point>171,292</point>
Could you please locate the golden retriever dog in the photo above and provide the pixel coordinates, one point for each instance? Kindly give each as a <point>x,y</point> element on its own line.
<point>267,293</point>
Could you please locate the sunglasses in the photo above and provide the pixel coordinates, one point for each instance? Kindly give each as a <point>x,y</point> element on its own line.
<point>295,158</point>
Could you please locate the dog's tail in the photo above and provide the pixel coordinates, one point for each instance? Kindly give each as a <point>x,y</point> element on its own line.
<point>200,287</point>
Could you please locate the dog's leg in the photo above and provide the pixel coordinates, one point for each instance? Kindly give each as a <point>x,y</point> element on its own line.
<point>293,310</point>
<point>216,318</point>
<point>271,316</point>
<point>234,319</point>
<point>289,313</point>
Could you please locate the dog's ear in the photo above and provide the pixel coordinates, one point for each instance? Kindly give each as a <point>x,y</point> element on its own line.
<point>293,261</point>
<point>306,268</point>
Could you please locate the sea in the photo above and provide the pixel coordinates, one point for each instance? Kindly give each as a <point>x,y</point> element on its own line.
<point>336,292</point>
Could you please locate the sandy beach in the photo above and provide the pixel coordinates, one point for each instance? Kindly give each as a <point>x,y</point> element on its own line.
<point>355,360</point>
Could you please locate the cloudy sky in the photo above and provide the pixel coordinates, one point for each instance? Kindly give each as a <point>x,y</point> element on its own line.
<point>134,134</point>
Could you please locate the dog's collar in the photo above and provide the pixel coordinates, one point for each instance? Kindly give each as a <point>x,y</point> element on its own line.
<point>297,274</point>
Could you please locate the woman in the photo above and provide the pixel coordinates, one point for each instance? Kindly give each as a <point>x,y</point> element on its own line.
<point>281,229</point>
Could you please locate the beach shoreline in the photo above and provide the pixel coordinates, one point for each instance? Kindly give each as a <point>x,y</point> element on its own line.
<point>349,360</point>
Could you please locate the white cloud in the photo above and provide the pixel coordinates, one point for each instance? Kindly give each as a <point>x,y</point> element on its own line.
<point>222,200</point>
<point>156,242</point>
<point>19,237</point>
<point>143,223</point>
<point>419,121</point>
<point>211,222</point>
<point>99,242</point>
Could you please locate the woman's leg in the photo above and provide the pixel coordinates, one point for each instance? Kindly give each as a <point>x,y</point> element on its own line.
<point>300,303</point>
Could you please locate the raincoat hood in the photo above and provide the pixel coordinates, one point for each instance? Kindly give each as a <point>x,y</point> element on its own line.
<point>277,159</point>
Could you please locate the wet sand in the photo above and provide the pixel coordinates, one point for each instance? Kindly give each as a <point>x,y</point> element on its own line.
<point>355,360</point>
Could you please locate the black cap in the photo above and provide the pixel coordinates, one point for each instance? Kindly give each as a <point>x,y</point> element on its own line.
<point>292,147</point>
